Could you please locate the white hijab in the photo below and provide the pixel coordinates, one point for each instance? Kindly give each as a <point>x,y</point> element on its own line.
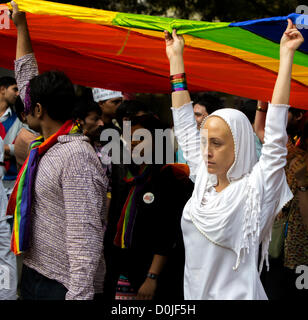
<point>231,218</point>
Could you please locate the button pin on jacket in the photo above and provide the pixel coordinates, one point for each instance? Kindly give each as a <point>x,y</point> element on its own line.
<point>148,197</point>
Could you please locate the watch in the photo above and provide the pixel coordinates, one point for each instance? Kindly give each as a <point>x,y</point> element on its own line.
<point>152,275</point>
<point>303,189</point>
<point>261,109</point>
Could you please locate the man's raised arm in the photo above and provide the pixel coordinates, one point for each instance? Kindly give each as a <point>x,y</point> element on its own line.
<point>25,63</point>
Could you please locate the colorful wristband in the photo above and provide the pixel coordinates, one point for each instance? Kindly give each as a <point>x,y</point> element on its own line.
<point>178,82</point>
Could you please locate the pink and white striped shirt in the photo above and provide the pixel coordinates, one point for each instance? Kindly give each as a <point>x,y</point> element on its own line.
<point>69,209</point>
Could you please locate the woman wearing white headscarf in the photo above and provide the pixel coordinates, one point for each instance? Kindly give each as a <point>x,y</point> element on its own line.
<point>236,198</point>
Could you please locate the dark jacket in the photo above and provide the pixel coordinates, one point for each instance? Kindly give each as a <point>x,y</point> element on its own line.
<point>157,228</point>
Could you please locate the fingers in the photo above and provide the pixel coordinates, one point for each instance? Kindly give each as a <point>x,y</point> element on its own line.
<point>15,6</point>
<point>174,35</point>
<point>292,31</point>
<point>290,25</point>
<point>294,34</point>
<point>167,35</point>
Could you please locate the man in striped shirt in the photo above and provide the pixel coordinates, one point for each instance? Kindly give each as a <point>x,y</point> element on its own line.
<point>68,213</point>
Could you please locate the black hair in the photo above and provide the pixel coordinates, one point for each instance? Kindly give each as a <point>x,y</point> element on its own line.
<point>55,92</point>
<point>129,108</point>
<point>83,107</point>
<point>19,108</point>
<point>295,127</point>
<point>249,108</point>
<point>303,144</point>
<point>147,121</point>
<point>7,82</point>
<point>152,123</point>
<point>297,112</point>
<point>210,102</point>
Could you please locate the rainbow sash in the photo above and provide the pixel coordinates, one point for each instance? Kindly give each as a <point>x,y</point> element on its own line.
<point>123,238</point>
<point>20,202</point>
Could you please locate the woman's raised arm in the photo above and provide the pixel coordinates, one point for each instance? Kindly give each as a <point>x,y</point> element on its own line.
<point>175,49</point>
<point>185,126</point>
<point>289,43</point>
<point>273,157</point>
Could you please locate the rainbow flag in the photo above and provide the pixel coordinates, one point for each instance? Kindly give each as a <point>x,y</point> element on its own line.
<point>126,52</point>
<point>20,202</point>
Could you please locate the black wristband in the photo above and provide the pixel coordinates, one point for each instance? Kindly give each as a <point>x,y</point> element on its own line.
<point>303,189</point>
<point>152,275</point>
<point>261,109</point>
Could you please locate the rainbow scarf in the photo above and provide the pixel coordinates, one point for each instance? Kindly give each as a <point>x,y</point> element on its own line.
<point>21,198</point>
<point>123,238</point>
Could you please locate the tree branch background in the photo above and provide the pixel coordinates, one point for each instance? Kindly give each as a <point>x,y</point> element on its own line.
<point>206,10</point>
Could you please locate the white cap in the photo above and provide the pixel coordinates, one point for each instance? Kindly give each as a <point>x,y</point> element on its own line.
<point>103,94</point>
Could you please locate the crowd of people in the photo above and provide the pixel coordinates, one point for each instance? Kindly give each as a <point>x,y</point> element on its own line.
<point>77,225</point>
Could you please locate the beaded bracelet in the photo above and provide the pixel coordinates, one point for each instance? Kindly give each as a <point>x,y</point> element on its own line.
<point>178,82</point>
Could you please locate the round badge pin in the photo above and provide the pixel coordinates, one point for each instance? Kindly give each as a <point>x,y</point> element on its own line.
<point>148,197</point>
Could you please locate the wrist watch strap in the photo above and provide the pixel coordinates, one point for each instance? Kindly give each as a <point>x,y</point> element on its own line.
<point>303,189</point>
<point>152,275</point>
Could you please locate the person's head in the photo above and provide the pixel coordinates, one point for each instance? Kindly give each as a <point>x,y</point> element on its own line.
<point>108,101</point>
<point>205,105</point>
<point>151,124</point>
<point>200,113</point>
<point>129,109</point>
<point>220,146</point>
<point>50,97</point>
<point>227,144</point>
<point>304,138</point>
<point>8,91</point>
<point>88,115</point>
<point>295,118</point>
<point>20,110</point>
<point>249,108</point>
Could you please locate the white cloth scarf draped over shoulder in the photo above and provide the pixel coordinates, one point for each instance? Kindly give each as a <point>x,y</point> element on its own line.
<point>219,220</point>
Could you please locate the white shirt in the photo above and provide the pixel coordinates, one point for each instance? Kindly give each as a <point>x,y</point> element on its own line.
<point>9,140</point>
<point>14,130</point>
<point>209,267</point>
<point>3,196</point>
